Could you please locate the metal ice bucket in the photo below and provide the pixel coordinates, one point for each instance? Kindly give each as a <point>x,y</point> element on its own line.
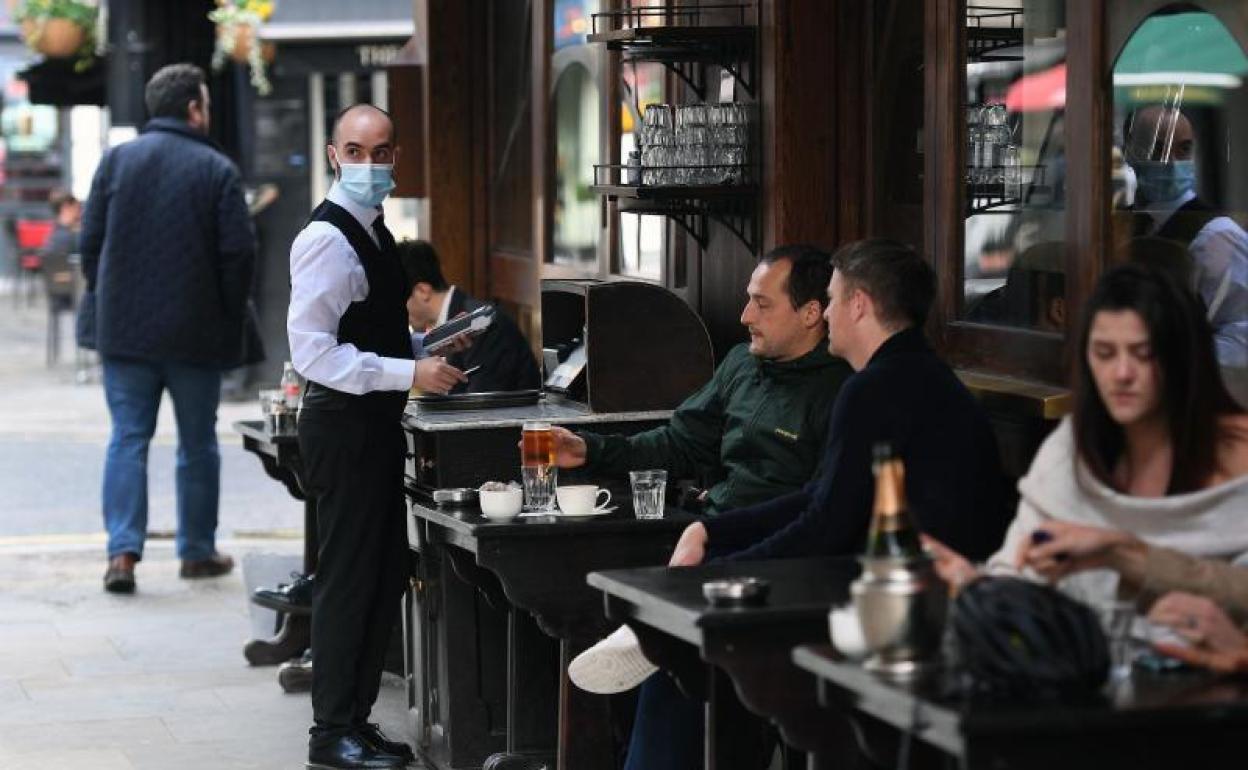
<point>901,605</point>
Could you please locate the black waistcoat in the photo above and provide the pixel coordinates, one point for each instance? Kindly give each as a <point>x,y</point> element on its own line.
<point>376,324</point>
<point>1188,220</point>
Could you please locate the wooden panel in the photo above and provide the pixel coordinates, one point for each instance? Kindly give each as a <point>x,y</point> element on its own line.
<point>799,41</point>
<point>450,38</point>
<point>406,97</point>
<point>1089,111</point>
<point>543,138</point>
<point>944,154</point>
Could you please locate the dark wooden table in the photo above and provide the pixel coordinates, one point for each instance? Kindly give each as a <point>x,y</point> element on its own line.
<point>538,566</point>
<point>279,454</point>
<point>1189,719</point>
<point>682,634</point>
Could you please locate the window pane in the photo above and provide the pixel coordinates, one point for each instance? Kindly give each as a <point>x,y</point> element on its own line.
<point>511,171</point>
<point>1181,116</point>
<point>1016,163</point>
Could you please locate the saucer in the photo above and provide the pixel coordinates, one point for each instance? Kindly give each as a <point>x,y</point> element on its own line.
<point>588,514</point>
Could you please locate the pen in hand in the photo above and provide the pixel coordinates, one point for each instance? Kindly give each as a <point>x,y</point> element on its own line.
<point>473,370</point>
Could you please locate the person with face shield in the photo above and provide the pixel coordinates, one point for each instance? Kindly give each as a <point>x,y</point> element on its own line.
<point>1161,150</point>
<point>348,333</point>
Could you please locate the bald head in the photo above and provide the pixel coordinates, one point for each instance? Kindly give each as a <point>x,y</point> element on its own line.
<point>361,116</point>
<point>1159,133</point>
<point>362,133</point>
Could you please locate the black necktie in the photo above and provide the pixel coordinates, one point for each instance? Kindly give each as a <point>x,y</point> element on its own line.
<point>384,239</point>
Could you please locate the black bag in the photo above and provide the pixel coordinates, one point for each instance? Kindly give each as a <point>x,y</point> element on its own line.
<point>84,323</point>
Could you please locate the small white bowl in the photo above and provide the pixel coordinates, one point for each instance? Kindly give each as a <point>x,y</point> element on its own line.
<point>501,504</point>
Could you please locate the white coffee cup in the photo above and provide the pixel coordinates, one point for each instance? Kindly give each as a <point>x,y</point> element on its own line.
<point>501,503</point>
<point>581,499</point>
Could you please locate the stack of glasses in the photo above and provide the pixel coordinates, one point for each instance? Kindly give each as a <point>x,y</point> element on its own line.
<point>694,144</point>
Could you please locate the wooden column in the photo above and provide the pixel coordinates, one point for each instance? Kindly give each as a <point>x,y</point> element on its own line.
<point>798,108</point>
<point>1089,110</point>
<point>450,32</point>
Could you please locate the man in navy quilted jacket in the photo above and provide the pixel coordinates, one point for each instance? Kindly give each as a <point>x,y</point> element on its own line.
<point>168,249</point>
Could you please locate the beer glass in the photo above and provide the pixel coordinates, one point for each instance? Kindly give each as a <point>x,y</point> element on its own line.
<point>537,466</point>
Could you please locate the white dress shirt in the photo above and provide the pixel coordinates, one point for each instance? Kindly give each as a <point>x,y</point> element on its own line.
<point>326,276</point>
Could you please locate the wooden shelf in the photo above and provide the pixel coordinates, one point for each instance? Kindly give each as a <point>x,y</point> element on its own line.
<point>735,206</point>
<point>1034,399</point>
<point>681,42</point>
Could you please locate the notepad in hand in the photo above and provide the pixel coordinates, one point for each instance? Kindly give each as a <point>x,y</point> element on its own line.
<point>470,325</point>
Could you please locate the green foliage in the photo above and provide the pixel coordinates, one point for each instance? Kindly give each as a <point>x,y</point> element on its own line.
<point>80,12</point>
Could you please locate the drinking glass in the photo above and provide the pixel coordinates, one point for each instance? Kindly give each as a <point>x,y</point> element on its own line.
<point>648,489</point>
<point>537,465</point>
<point>1117,618</point>
<point>1012,171</point>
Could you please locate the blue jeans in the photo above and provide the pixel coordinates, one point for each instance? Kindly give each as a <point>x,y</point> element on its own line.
<point>669,729</point>
<point>133,390</point>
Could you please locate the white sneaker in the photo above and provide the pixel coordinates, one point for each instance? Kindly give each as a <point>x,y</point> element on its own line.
<point>613,665</point>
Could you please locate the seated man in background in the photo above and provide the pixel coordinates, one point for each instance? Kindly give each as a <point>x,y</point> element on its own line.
<point>879,296</point>
<point>756,430</point>
<point>503,355</point>
<point>58,273</point>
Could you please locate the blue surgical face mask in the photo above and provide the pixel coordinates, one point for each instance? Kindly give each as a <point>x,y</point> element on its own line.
<point>367,184</point>
<point>1158,182</point>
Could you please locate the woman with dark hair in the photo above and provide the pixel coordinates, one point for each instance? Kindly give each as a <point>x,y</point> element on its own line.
<point>1150,469</point>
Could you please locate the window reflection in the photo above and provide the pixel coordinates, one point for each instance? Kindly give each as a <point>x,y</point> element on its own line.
<point>1016,164</point>
<point>1181,115</point>
<point>576,218</point>
<point>641,237</point>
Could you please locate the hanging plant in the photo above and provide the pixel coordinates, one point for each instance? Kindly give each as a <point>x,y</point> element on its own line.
<point>238,24</point>
<point>60,29</point>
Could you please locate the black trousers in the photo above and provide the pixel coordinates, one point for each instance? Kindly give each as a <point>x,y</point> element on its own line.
<point>353,463</point>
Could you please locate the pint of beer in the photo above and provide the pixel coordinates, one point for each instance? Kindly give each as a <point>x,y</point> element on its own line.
<point>537,445</point>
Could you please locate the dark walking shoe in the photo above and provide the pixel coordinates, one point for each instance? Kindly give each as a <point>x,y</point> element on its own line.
<point>373,736</point>
<point>349,752</point>
<point>214,566</point>
<point>293,598</point>
<point>119,578</point>
<point>296,675</point>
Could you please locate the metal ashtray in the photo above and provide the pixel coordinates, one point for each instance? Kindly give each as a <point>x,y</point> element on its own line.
<point>736,592</point>
<point>455,496</point>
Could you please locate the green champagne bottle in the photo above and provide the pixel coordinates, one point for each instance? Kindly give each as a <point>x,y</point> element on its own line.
<point>893,532</point>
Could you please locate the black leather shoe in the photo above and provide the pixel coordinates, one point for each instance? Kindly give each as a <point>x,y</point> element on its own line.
<point>349,752</point>
<point>293,598</point>
<point>377,740</point>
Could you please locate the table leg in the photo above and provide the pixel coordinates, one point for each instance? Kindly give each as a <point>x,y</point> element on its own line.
<point>735,738</point>
<point>585,739</point>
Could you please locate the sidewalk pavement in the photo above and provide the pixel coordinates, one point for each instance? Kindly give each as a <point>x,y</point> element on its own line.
<point>93,681</point>
<point>152,681</point>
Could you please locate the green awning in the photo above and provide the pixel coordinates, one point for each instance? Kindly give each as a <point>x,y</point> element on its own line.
<point>1190,42</point>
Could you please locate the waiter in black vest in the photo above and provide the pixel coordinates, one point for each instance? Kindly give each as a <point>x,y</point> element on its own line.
<point>348,336</point>
<point>1161,148</point>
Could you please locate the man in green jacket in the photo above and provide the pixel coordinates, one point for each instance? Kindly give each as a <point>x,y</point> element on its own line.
<point>756,430</point>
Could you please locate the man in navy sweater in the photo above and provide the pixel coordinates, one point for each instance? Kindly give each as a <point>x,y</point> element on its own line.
<point>168,251</point>
<point>901,392</point>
